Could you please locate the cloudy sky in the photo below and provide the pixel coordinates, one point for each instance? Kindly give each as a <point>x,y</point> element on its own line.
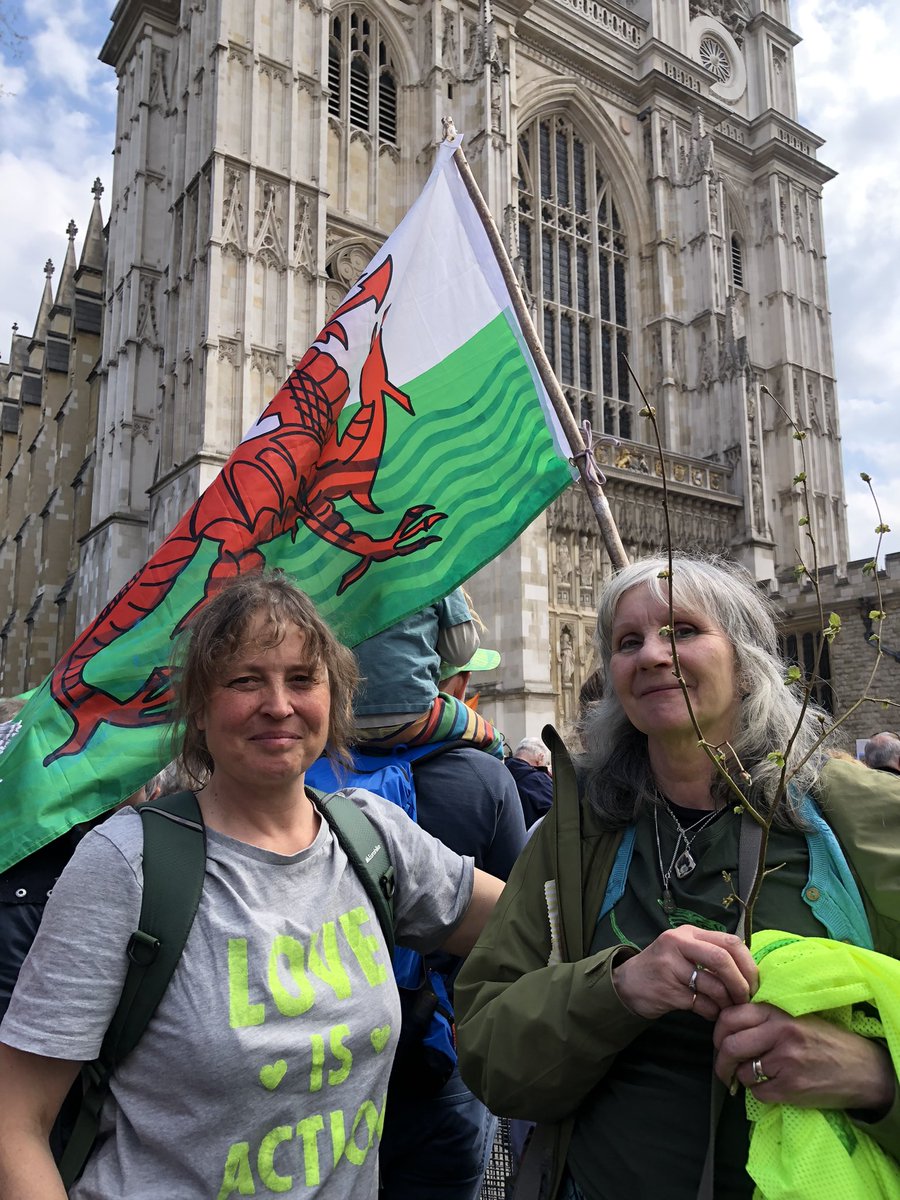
<point>56,132</point>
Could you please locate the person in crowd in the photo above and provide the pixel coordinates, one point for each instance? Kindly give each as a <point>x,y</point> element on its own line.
<point>454,680</point>
<point>400,668</point>
<point>266,1064</point>
<point>529,765</point>
<point>437,1147</point>
<point>610,981</point>
<point>844,756</point>
<point>882,753</point>
<point>26,886</point>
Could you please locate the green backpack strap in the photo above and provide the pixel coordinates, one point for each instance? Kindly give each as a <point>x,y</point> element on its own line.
<point>366,852</point>
<point>174,863</point>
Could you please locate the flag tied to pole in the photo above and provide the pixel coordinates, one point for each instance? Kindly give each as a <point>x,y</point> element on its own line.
<point>410,445</point>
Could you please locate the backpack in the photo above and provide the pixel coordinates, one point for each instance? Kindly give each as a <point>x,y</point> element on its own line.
<point>426,1050</point>
<point>174,864</point>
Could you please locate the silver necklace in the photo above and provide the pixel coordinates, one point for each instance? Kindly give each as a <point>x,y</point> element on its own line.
<point>682,862</point>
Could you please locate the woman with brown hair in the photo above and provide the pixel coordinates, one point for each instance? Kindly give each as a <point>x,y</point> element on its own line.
<point>265,1066</point>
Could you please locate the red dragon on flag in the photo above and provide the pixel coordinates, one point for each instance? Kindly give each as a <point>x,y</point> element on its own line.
<point>419,388</point>
<point>292,466</point>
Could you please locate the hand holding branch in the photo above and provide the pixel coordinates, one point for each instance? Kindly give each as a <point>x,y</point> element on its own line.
<point>700,970</point>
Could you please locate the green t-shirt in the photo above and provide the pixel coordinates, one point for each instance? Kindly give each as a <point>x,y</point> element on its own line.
<point>643,1131</point>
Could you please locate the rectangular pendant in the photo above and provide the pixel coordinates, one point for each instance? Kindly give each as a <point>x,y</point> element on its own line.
<point>684,865</point>
<point>668,902</point>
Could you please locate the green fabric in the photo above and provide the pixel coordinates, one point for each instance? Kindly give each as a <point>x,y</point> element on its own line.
<point>409,447</point>
<point>807,1152</point>
<point>863,809</point>
<point>510,1002</point>
<point>703,898</point>
<point>674,1055</point>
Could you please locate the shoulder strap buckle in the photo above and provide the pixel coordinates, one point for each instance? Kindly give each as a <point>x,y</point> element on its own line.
<point>142,948</point>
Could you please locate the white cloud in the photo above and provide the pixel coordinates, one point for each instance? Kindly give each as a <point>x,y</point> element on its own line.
<point>871,443</point>
<point>13,79</point>
<point>56,135</point>
<point>848,89</point>
<point>61,59</point>
<point>32,236</point>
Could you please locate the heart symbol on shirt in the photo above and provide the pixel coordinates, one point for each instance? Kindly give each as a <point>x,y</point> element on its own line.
<point>380,1037</point>
<point>272,1074</point>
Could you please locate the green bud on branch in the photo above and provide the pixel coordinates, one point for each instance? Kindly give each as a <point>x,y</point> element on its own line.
<point>833,628</point>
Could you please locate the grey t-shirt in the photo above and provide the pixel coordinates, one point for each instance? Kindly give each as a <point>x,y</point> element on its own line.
<point>265,1067</point>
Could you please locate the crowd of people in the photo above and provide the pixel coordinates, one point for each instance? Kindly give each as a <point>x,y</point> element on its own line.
<point>616,924</point>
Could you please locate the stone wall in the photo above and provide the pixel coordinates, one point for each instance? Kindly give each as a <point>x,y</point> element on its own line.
<point>853,594</point>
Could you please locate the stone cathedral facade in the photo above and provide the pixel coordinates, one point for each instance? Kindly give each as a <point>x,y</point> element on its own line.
<point>662,206</point>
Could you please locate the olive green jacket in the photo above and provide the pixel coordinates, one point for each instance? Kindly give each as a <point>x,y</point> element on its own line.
<point>538,1019</point>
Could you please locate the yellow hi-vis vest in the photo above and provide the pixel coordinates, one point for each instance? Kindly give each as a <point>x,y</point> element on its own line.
<point>819,1154</point>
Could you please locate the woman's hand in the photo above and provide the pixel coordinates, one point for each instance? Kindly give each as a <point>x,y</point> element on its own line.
<point>807,1061</point>
<point>687,968</point>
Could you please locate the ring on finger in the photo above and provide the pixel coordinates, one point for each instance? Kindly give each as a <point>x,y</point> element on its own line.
<point>692,982</point>
<point>759,1075</point>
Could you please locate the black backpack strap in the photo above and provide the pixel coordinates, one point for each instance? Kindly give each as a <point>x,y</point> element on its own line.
<point>366,852</point>
<point>174,863</point>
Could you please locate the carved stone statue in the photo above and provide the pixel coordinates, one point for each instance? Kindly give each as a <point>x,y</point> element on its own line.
<point>829,409</point>
<point>756,493</point>
<point>699,161</point>
<point>566,656</point>
<point>567,672</point>
<point>812,407</point>
<point>564,569</point>
<point>733,14</point>
<point>586,569</point>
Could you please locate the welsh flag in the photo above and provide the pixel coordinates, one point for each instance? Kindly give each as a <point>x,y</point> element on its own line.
<point>409,446</point>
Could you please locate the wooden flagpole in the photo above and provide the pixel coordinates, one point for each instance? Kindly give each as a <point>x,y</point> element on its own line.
<point>582,455</point>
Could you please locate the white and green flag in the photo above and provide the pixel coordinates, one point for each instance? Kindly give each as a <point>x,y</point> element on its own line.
<point>411,444</point>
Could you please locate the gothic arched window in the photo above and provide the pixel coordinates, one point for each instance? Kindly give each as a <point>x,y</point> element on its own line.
<point>361,79</point>
<point>737,262</point>
<point>574,256</point>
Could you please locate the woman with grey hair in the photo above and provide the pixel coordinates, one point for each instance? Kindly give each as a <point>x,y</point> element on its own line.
<point>610,984</point>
